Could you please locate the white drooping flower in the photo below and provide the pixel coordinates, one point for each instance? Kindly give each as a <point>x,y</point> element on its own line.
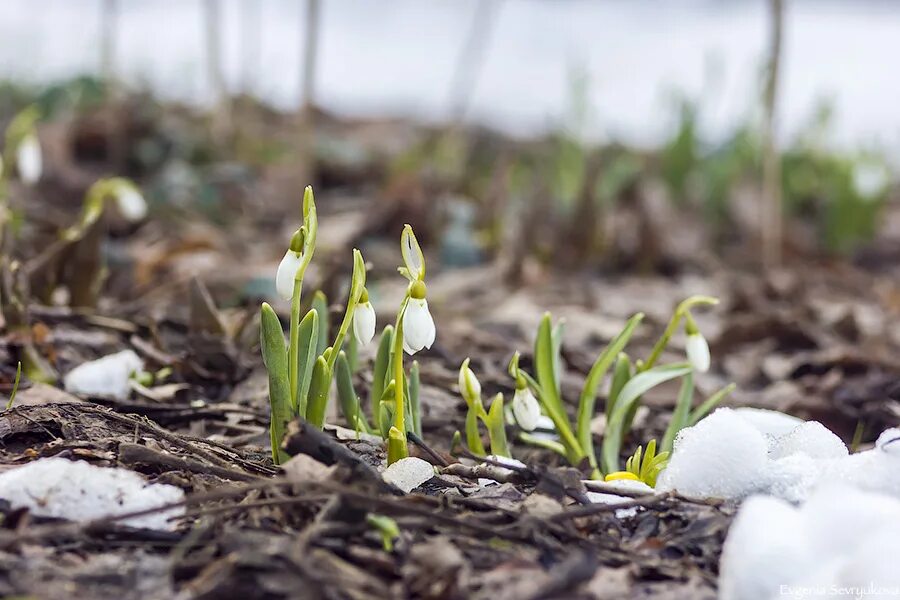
<point>284,277</point>
<point>364,321</point>
<point>469,386</point>
<point>131,203</point>
<point>29,160</point>
<point>697,352</point>
<point>418,326</point>
<point>870,179</point>
<point>526,409</point>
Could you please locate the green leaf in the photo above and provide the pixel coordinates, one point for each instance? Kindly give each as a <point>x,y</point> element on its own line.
<point>473,437</point>
<point>681,414</point>
<point>275,359</point>
<point>318,393</point>
<point>386,407</point>
<point>497,428</point>
<point>621,374</point>
<point>589,392</point>
<point>397,448</point>
<point>545,364</point>
<point>306,357</point>
<point>320,304</point>
<point>380,376</point>
<point>630,394</point>
<point>15,388</point>
<point>710,403</point>
<point>347,396</point>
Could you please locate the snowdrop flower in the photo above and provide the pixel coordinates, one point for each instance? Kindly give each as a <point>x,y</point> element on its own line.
<point>29,160</point>
<point>469,386</point>
<point>364,319</point>
<point>696,347</point>
<point>526,408</point>
<point>418,326</point>
<point>131,203</point>
<point>287,269</point>
<point>870,179</point>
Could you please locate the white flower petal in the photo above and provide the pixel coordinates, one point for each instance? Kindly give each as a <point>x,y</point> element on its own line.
<point>131,203</point>
<point>29,160</point>
<point>364,323</point>
<point>698,352</point>
<point>284,277</point>
<point>418,326</point>
<point>526,409</point>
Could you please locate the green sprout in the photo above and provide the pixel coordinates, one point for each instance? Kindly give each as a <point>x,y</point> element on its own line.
<point>15,388</point>
<point>386,527</point>
<point>643,466</point>
<point>493,418</point>
<point>300,376</point>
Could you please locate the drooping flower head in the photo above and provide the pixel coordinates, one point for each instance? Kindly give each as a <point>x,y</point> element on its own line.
<point>696,347</point>
<point>29,161</point>
<point>364,319</point>
<point>300,251</point>
<point>418,325</point>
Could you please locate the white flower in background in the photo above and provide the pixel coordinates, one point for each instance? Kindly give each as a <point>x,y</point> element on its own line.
<point>469,386</point>
<point>870,179</point>
<point>697,351</point>
<point>364,319</point>
<point>131,203</point>
<point>418,326</point>
<point>526,409</point>
<point>28,159</point>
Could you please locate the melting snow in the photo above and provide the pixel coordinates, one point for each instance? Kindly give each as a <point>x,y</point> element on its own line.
<point>106,377</point>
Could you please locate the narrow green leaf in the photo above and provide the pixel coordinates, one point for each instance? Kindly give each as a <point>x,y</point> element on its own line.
<point>589,392</point>
<point>540,442</point>
<point>380,372</point>
<point>320,304</point>
<point>347,396</point>
<point>682,412</point>
<point>709,404</point>
<point>621,374</point>
<point>545,358</point>
<point>497,428</point>
<point>15,388</point>
<point>473,437</point>
<point>630,394</point>
<point>386,407</point>
<point>318,393</point>
<point>307,340</point>
<point>275,359</point>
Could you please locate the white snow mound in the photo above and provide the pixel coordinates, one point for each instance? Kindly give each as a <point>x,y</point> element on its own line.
<point>78,491</point>
<point>408,473</point>
<point>106,377</point>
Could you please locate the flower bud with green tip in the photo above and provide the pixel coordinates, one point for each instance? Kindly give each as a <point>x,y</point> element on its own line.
<point>364,319</point>
<point>289,265</point>
<point>696,347</point>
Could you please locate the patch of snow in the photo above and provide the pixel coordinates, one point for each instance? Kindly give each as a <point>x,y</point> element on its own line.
<point>722,456</point>
<point>769,422</point>
<point>78,491</point>
<point>106,377</point>
<point>812,439</point>
<point>726,457</point>
<point>408,473</point>
<point>841,537</point>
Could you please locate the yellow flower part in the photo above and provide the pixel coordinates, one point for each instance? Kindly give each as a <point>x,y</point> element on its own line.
<point>621,475</point>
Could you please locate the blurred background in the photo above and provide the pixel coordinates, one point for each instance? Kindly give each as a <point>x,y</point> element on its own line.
<point>590,157</point>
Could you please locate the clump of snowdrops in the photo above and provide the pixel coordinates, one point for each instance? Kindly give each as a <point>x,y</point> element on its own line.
<point>301,373</point>
<point>538,395</point>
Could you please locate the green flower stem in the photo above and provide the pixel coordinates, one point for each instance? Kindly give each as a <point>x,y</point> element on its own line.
<point>294,347</point>
<point>672,327</point>
<point>356,287</point>
<point>551,445</point>
<point>574,452</point>
<point>398,436</point>
<point>15,388</point>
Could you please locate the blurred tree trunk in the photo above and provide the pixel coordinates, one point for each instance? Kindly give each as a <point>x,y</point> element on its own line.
<point>115,134</point>
<point>221,117</point>
<point>309,25</point>
<point>251,38</point>
<point>772,205</point>
<point>472,58</point>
